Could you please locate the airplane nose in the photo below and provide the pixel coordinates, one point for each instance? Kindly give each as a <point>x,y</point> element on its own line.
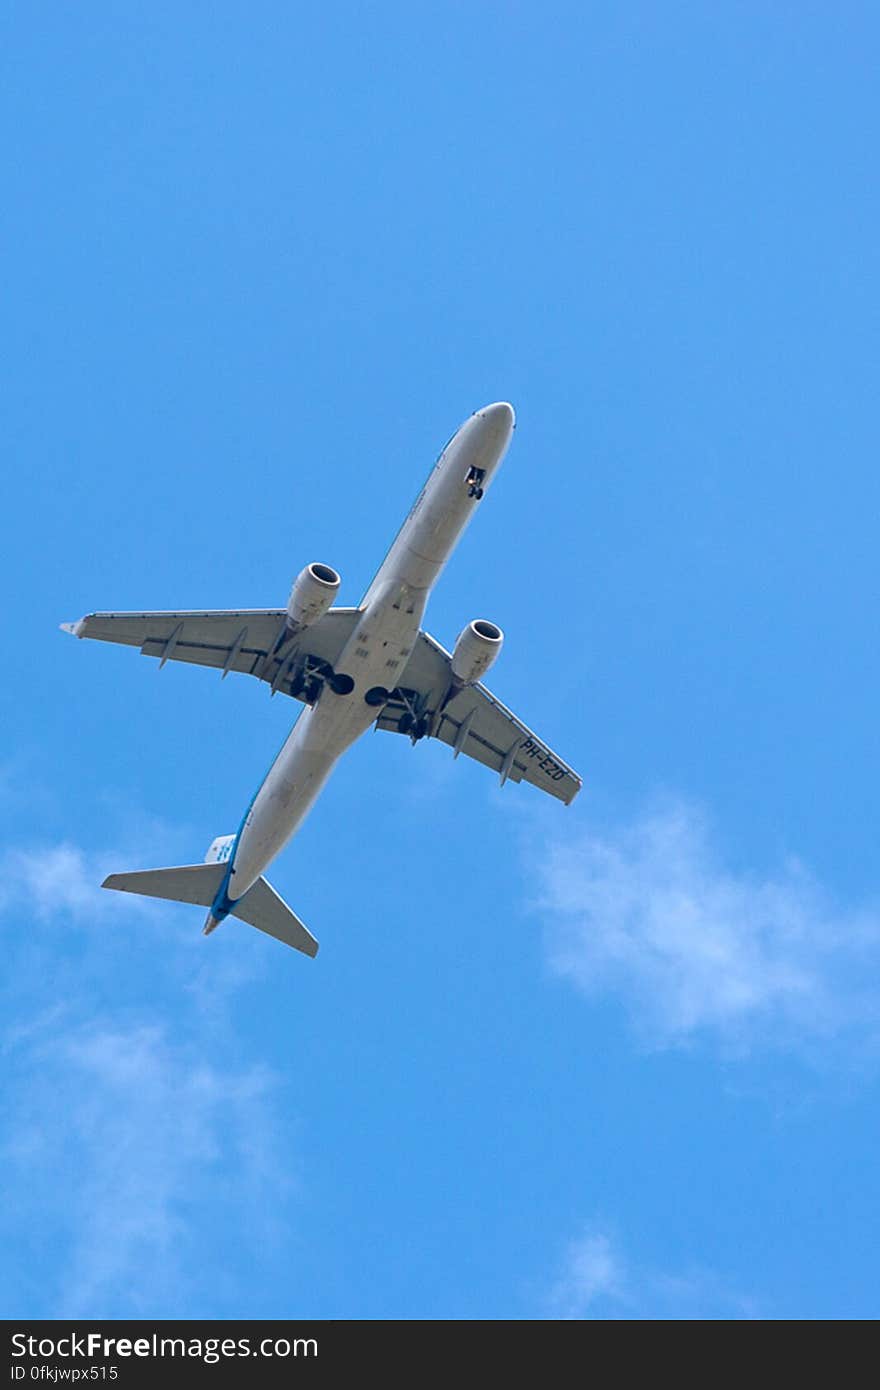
<point>500,416</point>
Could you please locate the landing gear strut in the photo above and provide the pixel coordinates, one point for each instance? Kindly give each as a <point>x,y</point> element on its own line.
<point>313,675</point>
<point>413,721</point>
<point>306,686</point>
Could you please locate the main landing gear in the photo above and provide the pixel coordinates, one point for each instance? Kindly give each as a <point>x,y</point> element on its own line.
<point>474,480</point>
<point>414,721</point>
<point>314,674</point>
<point>309,687</point>
<point>414,725</point>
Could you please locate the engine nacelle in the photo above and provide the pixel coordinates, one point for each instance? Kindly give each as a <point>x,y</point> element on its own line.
<point>314,589</point>
<point>478,645</point>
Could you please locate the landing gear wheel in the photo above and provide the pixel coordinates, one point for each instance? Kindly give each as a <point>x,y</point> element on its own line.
<point>405,723</point>
<point>420,728</point>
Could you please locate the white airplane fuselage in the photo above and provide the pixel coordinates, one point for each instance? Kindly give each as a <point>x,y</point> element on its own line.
<point>375,655</point>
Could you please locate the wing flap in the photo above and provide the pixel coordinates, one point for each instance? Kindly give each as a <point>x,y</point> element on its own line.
<point>247,659</point>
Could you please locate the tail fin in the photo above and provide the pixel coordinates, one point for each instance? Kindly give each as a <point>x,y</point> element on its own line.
<point>199,884</point>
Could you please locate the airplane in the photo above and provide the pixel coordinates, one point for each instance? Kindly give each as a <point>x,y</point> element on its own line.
<point>349,668</point>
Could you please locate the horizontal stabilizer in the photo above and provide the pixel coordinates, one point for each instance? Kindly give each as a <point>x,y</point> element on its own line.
<point>192,883</point>
<point>261,907</point>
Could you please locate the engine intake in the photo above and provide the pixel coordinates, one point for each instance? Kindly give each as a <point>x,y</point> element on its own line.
<point>314,589</point>
<point>477,647</point>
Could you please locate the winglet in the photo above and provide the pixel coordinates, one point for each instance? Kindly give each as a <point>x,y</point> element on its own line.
<point>75,629</point>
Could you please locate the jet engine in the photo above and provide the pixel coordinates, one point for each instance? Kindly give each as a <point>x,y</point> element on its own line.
<point>314,589</point>
<point>477,647</point>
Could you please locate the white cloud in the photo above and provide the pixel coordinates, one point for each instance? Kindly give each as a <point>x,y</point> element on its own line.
<point>650,913</point>
<point>597,1280</point>
<point>125,1138</point>
<point>592,1271</point>
<point>141,1147</point>
<point>47,880</point>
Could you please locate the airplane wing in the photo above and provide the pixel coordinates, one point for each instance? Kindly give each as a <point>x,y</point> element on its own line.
<point>474,722</point>
<point>253,640</point>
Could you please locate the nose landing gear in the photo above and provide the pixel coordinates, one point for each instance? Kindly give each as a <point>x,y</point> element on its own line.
<point>474,479</point>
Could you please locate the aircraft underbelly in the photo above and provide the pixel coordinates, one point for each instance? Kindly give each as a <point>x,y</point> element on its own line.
<point>379,646</point>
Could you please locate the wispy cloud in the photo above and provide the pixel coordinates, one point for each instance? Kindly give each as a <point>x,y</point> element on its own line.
<point>650,913</point>
<point>59,885</point>
<point>58,878</point>
<point>141,1146</point>
<point>597,1280</point>
<point>128,1141</point>
<point>592,1272</point>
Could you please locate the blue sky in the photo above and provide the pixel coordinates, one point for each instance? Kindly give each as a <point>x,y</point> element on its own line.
<point>618,1060</point>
